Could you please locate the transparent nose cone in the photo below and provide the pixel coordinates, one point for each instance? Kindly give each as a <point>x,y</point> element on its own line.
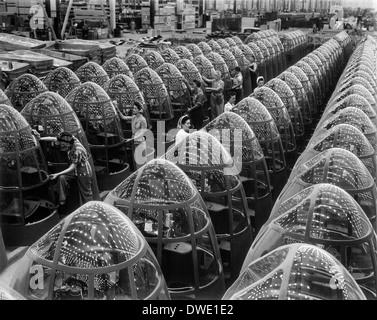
<point>355,117</point>
<point>204,66</point>
<point>150,83</point>
<point>153,59</point>
<point>328,217</point>
<point>61,80</point>
<point>95,253</point>
<point>219,64</point>
<point>23,89</point>
<point>353,89</point>
<point>115,66</point>
<point>25,191</point>
<point>92,72</point>
<point>170,56</point>
<point>271,100</point>
<point>229,59</point>
<point>352,100</point>
<point>184,53</point>
<point>215,46</point>
<point>189,70</point>
<point>345,136</point>
<point>216,176</point>
<point>338,167</point>
<point>175,84</point>
<point>168,210</point>
<point>204,46</point>
<point>295,272</point>
<point>237,136</point>
<point>223,44</point>
<point>288,97</point>
<point>265,129</point>
<point>135,62</point>
<point>194,49</point>
<point>125,92</point>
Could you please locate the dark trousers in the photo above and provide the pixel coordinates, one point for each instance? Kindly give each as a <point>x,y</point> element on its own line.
<point>62,186</point>
<point>239,95</point>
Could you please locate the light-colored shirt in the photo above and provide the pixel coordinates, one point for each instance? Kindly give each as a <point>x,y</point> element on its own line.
<point>137,124</point>
<point>181,135</point>
<point>79,156</point>
<point>228,107</point>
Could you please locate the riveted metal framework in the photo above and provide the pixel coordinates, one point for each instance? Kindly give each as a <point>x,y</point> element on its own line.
<point>204,46</point>
<point>301,265</point>
<point>271,100</point>
<point>322,70</point>
<point>103,129</point>
<point>50,114</point>
<point>352,100</point>
<point>92,72</point>
<point>327,216</point>
<point>214,45</point>
<point>308,88</point>
<point>237,136</point>
<point>267,133</point>
<point>153,59</point>
<point>135,62</point>
<point>287,96</point>
<point>260,59</point>
<point>95,253</point>
<point>155,94</point>
<point>253,37</point>
<point>345,84</point>
<point>223,44</point>
<point>353,89</point>
<point>26,195</point>
<point>177,87</point>
<point>309,72</point>
<point>204,66</point>
<point>189,71</point>
<point>125,92</point>
<point>206,161</point>
<point>237,40</point>
<point>298,90</point>
<point>345,136</point>
<point>230,60</point>
<point>194,49</point>
<point>170,56</point>
<point>168,210</point>
<point>230,42</point>
<point>341,168</point>
<point>184,53</point>
<point>115,66</point>
<point>355,117</point>
<point>219,64</point>
<point>61,80</point>
<point>23,89</point>
<point>268,59</point>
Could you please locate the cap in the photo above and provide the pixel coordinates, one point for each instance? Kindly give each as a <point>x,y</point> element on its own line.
<point>65,137</point>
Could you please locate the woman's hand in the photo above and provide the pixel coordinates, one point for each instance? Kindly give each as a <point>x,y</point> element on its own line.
<point>53,176</point>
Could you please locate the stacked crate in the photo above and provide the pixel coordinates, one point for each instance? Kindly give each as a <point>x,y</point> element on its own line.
<point>165,18</point>
<point>145,14</point>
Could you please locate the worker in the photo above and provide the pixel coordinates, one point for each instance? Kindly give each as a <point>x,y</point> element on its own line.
<point>79,167</point>
<point>138,127</point>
